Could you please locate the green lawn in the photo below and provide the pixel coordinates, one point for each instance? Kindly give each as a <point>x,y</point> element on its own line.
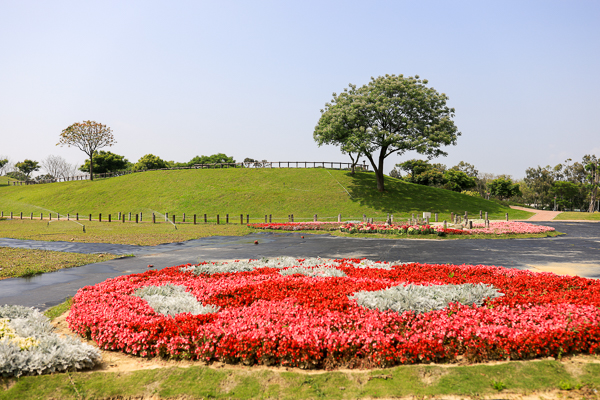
<point>143,234</point>
<point>578,216</point>
<point>25,262</point>
<point>257,192</point>
<point>196,382</point>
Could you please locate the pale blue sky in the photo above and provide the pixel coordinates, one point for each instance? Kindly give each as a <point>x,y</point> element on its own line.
<point>248,78</point>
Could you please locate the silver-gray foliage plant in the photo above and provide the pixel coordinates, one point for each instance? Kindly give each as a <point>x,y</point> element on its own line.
<point>52,354</point>
<point>421,299</point>
<point>314,272</point>
<point>279,263</point>
<point>172,300</point>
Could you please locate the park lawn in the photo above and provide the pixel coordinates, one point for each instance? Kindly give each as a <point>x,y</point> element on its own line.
<point>578,216</point>
<point>16,262</point>
<point>248,191</point>
<point>142,234</point>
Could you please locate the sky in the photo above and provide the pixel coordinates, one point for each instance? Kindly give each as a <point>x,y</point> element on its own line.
<point>249,78</point>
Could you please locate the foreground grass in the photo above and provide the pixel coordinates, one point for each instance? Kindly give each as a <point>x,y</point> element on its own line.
<point>143,234</point>
<point>260,383</point>
<point>578,216</point>
<point>25,262</point>
<point>256,192</point>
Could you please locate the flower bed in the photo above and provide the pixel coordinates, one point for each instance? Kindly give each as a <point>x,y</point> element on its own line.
<point>342,313</point>
<point>496,228</point>
<point>298,226</point>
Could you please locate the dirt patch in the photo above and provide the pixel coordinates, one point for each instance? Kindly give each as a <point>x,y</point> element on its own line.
<point>431,376</point>
<point>567,268</point>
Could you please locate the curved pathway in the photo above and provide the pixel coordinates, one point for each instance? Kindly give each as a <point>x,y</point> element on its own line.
<point>576,253</point>
<point>540,215</point>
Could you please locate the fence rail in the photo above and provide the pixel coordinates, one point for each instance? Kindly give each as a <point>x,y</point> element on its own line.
<point>256,165</point>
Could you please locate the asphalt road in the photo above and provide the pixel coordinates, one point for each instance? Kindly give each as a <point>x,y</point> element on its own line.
<point>576,253</point>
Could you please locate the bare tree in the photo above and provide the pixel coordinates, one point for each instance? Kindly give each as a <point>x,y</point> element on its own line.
<point>57,166</point>
<point>87,136</point>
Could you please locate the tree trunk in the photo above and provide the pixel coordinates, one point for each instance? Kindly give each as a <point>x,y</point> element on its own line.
<point>91,169</point>
<point>594,191</point>
<point>378,168</point>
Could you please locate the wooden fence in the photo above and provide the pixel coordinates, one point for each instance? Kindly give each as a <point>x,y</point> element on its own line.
<point>258,164</point>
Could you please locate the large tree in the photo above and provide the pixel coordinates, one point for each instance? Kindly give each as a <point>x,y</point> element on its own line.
<point>57,167</point>
<point>391,114</point>
<point>149,161</point>
<point>87,136</point>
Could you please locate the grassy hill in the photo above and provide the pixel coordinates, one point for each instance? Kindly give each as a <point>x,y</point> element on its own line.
<point>280,192</point>
<point>4,180</point>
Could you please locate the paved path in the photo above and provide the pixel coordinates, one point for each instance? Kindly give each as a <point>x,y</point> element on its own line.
<point>540,215</point>
<point>577,253</point>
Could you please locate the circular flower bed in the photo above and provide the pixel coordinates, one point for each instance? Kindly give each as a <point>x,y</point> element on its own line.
<point>341,313</point>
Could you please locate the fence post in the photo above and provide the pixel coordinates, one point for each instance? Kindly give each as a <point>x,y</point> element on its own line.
<point>31,216</point>
<point>129,216</point>
<point>205,220</point>
<point>226,218</point>
<point>364,217</point>
<point>315,218</point>
<point>486,215</point>
<point>90,217</point>
<point>21,214</point>
<point>241,219</point>
<point>270,220</point>
<point>77,216</point>
<point>68,216</point>
<point>122,217</point>
<point>292,217</point>
<point>100,217</point>
<point>436,217</point>
<point>108,217</point>
<point>339,217</point>
<point>153,218</point>
<point>507,216</point>
<point>194,219</point>
<point>183,218</point>
<point>218,219</point>
<point>50,216</point>
<point>480,214</point>
<point>173,218</point>
<point>247,218</point>
<point>166,217</point>
<point>470,224</point>
<point>266,217</point>
<point>41,216</point>
<point>141,216</point>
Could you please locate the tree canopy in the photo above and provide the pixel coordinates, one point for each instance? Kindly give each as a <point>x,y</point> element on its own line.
<point>150,161</point>
<point>87,136</point>
<point>27,167</point>
<point>213,159</point>
<point>105,161</point>
<point>389,115</point>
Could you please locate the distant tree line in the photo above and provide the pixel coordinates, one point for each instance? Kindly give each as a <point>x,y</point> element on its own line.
<point>566,186</point>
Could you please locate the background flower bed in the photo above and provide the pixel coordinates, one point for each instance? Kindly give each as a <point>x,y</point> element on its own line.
<point>496,228</point>
<point>310,321</point>
<point>298,226</point>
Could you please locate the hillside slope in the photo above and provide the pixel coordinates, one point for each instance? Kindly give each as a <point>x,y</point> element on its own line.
<point>280,192</point>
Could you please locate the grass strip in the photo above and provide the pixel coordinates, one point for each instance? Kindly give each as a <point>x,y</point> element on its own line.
<point>507,379</point>
<point>577,216</point>
<point>143,234</point>
<point>15,262</point>
<point>58,310</point>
